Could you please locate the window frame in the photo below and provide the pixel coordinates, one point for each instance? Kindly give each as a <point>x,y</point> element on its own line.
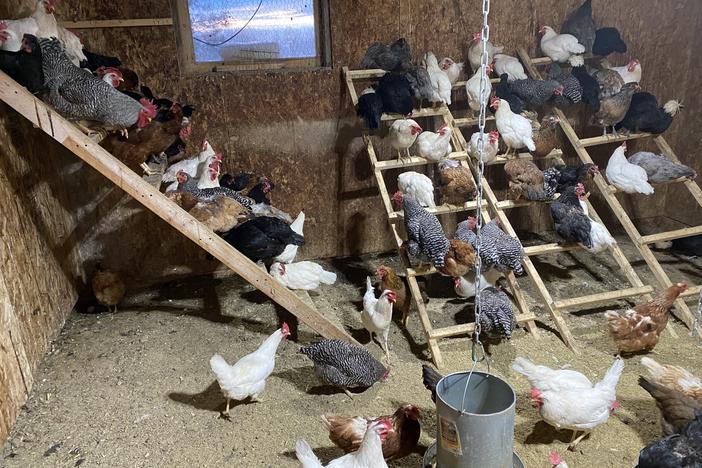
<point>186,49</point>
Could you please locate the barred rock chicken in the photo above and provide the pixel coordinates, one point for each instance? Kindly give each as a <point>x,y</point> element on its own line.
<point>610,82</point>
<point>559,47</point>
<point>570,176</point>
<point>457,183</point>
<point>590,86</point>
<point>608,40</point>
<point>572,89</point>
<point>290,252</point>
<point>676,408</point>
<point>581,25</point>
<point>108,287</point>
<point>473,89</point>
<point>498,250</point>
<point>79,95</point>
<point>262,238</point>
<point>630,73</point>
<point>370,108</point>
<point>417,186</point>
<point>387,57</point>
<point>247,377</point>
<point>644,115</point>
<point>368,455</point>
<point>661,169</point>
<point>627,177</point>
<point>475,52</point>
<point>346,432</point>
<point>439,80</point>
<point>459,260</point>
<point>639,329</point>
<point>301,275</point>
<point>194,166</point>
<point>188,184</point>
<point>527,181</point>
<point>221,214</point>
<point>515,130</point>
<point>403,133</point>
<point>496,314</point>
<point>396,93</point>
<point>510,65</point>
<point>535,93</point>
<point>674,377</point>
<point>464,286</point>
<point>435,146</point>
<point>376,315</point>
<point>504,91</point>
<point>451,68</point>
<point>24,66</point>
<point>491,145</point>
<point>675,451</point>
<point>566,402</point>
<point>425,236</point>
<point>613,109</point>
<point>390,280</point>
<point>546,137</point>
<point>344,365</point>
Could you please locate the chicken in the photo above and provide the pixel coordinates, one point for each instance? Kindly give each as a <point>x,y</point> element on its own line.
<point>496,314</point>
<point>242,182</point>
<point>194,166</point>
<point>24,66</point>
<point>573,223</point>
<point>572,89</point>
<point>390,280</point>
<point>301,275</point>
<point>262,238</point>
<point>457,183</point>
<point>290,252</point>
<point>644,115</point>
<point>81,96</point>
<point>368,455</point>
<point>459,260</point>
<point>631,72</point>
<point>247,377</point>
<point>546,137</point>
<point>435,146</point>
<point>570,176</point>
<point>491,146</point>
<point>504,91</point>
<point>439,80</point>
<point>110,75</point>
<point>527,181</point>
<point>608,40</point>
<point>221,214</point>
<point>12,31</point>
<point>425,236</point>
<point>347,432</point>
<point>516,130</point>
<point>185,200</point>
<point>610,82</point>
<point>675,451</point>
<point>475,51</point>
<point>430,379</point>
<point>419,81</point>
<point>660,169</point>
<point>674,377</point>
<point>390,58</point>
<point>554,458</point>
<point>627,177</point>
<point>370,108</point>
<point>344,365</point>
<point>377,313</point>
<point>210,177</point>
<point>677,409</point>
<point>473,89</point>
<point>94,61</point>
<point>498,250</point>
<point>581,25</point>
<point>565,402</point>
<point>614,108</point>
<point>154,168</point>
<point>403,133</point>
<point>559,47</point>
<point>590,87</point>
<point>452,69</point>
<point>417,186</point>
<point>464,286</point>
<point>188,184</point>
<point>691,245</point>
<point>108,287</point>
<point>396,93</point>
<point>535,93</point>
<point>639,329</point>
<point>506,64</point>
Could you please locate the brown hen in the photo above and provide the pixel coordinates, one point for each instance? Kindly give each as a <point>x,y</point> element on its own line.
<point>457,183</point>
<point>677,409</point>
<point>390,280</point>
<point>185,200</point>
<point>674,377</point>
<point>108,288</point>
<point>523,175</point>
<point>221,214</point>
<point>546,137</point>
<point>459,260</point>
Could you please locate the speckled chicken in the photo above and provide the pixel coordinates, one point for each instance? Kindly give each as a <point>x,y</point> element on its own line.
<point>572,89</point>
<point>344,365</point>
<point>581,25</point>
<point>676,408</point>
<point>221,214</point>
<point>659,168</point>
<point>535,93</point>
<point>387,57</point>
<point>496,314</point>
<point>497,249</point>
<point>425,236</point>
<point>614,108</point>
<point>457,183</point>
<point>189,184</point>
<point>546,137</point>
<point>644,115</point>
<point>675,451</point>
<point>674,377</point>
<point>610,82</point>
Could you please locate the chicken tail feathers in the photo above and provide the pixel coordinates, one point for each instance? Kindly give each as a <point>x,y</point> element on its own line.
<point>327,277</point>
<point>430,378</point>
<point>612,376</point>
<point>530,144</point>
<point>219,365</point>
<point>306,456</point>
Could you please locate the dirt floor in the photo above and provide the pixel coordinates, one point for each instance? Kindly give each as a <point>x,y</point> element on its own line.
<point>134,388</point>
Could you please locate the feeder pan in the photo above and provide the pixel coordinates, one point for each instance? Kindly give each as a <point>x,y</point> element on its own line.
<point>430,458</point>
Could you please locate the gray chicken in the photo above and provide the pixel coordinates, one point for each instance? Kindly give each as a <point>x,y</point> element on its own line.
<point>535,93</point>
<point>572,89</point>
<point>659,168</point>
<point>390,58</point>
<point>79,95</point>
<point>497,249</point>
<point>426,239</point>
<point>188,184</point>
<point>344,365</point>
<point>496,314</point>
<point>610,82</point>
<point>419,81</point>
<point>614,108</point>
<point>581,25</point>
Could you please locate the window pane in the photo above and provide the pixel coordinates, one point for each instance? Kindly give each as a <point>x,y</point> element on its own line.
<point>278,29</point>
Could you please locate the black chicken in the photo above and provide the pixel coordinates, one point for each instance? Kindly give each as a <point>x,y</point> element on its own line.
<point>570,176</point>
<point>430,378</point>
<point>644,115</point>
<point>370,108</point>
<point>590,87</point>
<point>261,190</point>
<point>676,451</point>
<point>688,245</point>
<point>236,182</point>
<point>24,66</point>
<point>395,92</point>
<point>608,40</point>
<point>390,58</point>
<point>581,25</point>
<point>95,61</point>
<point>504,91</point>
<point>571,223</point>
<point>262,238</point>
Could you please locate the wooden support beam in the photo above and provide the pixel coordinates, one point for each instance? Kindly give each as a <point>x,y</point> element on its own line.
<point>415,161</point>
<point>501,159</point>
<point>606,140</point>
<point>418,113</point>
<point>692,291</point>
<point>119,23</point>
<point>444,209</point>
<point>601,298</point>
<point>670,235</point>
<point>468,328</point>
<point>545,249</point>
<point>614,189</point>
<point>471,121</point>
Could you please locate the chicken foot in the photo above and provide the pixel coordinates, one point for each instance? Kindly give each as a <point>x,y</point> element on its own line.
<point>346,391</point>
<point>574,441</point>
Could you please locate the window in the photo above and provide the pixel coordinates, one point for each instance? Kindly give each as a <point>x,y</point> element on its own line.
<point>225,35</point>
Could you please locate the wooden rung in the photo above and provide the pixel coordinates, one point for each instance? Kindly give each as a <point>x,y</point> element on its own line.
<point>501,159</point>
<point>541,61</point>
<point>603,140</point>
<point>693,291</point>
<point>468,328</point>
<point>415,161</point>
<point>366,74</point>
<point>426,271</point>
<point>549,249</point>
<point>445,209</point>
<point>509,204</point>
<point>601,298</point>
<point>470,121</point>
<point>417,113</point>
<point>462,84</point>
<point>670,235</point>
<point>614,189</point>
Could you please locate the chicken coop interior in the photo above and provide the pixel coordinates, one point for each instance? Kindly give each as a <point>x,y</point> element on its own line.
<point>352,234</point>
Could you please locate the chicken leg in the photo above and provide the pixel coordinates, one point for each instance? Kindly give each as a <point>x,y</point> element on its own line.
<point>574,441</point>
<point>386,332</point>
<point>346,391</point>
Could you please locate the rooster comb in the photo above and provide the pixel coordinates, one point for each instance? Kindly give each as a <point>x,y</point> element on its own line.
<point>149,106</point>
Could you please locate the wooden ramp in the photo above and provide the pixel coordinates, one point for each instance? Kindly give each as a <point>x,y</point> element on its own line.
<point>61,130</point>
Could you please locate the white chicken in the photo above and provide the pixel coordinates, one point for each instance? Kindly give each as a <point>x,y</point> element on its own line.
<point>510,65</point>
<point>377,313</point>
<point>515,130</point>
<point>290,252</point>
<point>556,460</point>
<point>12,31</point>
<point>247,378</point>
<point>627,177</point>
<point>368,455</point>
<point>439,80</point>
<point>435,146</point>
<point>465,285</point>
<point>418,186</point>
<point>600,237</point>
<point>451,68</point>
<point>72,45</point>
<point>194,166</point>
<point>403,133</point>
<point>631,72</point>
<point>567,400</point>
<point>475,52</point>
<point>301,275</point>
<point>490,148</point>
<point>559,47</point>
<point>473,89</point>
<point>210,176</point>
